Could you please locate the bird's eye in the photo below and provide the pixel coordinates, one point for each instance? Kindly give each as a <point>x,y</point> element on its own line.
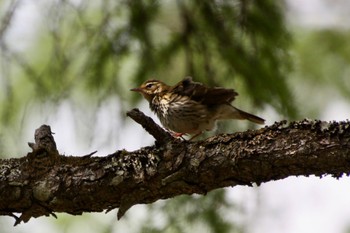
<point>149,85</point>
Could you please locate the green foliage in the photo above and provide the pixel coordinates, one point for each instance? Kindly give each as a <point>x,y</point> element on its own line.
<point>321,69</point>
<point>192,214</point>
<point>324,59</point>
<point>84,47</point>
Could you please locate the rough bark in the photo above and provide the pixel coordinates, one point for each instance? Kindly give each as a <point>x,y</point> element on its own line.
<point>44,182</point>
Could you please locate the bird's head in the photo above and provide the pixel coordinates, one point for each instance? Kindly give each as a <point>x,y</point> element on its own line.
<point>151,88</point>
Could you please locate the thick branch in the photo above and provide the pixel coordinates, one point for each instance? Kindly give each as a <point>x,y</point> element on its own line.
<point>43,183</point>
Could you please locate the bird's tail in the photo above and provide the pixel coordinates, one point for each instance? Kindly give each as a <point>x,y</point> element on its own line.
<point>230,112</point>
<point>250,117</point>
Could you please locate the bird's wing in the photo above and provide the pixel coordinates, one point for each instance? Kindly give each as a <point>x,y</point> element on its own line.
<point>201,93</point>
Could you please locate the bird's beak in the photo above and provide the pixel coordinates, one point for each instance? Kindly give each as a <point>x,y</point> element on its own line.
<point>137,89</point>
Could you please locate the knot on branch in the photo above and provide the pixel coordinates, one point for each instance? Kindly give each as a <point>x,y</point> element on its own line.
<point>44,141</point>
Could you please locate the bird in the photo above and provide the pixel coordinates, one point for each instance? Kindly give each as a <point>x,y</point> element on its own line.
<point>191,108</point>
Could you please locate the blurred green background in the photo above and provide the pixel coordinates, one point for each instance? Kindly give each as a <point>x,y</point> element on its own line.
<point>70,64</point>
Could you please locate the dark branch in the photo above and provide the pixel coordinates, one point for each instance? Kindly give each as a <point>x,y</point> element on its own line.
<point>44,141</point>
<point>40,184</point>
<point>150,126</point>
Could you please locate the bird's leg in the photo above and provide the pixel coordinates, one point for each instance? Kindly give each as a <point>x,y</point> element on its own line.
<point>180,135</point>
<point>177,135</point>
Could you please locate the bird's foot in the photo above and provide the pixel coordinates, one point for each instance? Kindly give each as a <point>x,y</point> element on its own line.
<point>178,135</point>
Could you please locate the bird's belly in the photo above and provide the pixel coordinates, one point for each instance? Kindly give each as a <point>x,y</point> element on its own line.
<point>186,117</point>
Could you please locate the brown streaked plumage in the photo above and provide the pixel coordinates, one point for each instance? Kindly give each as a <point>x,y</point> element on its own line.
<point>191,107</point>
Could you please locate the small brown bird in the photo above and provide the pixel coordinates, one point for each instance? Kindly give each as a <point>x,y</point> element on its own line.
<point>191,107</point>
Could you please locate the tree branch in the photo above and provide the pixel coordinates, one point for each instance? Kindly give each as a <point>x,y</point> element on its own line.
<point>148,124</point>
<point>44,182</point>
